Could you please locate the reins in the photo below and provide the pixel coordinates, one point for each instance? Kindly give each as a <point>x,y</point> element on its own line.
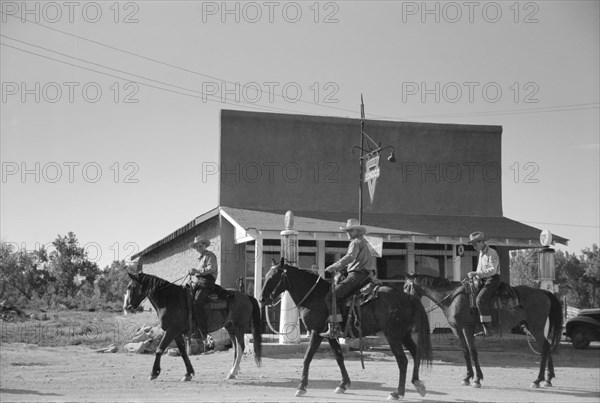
<point>446,297</point>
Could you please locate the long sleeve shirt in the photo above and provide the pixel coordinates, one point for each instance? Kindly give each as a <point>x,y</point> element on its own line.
<point>357,258</point>
<point>488,264</point>
<point>207,264</point>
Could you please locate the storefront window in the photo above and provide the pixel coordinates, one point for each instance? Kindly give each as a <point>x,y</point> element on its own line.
<point>391,267</point>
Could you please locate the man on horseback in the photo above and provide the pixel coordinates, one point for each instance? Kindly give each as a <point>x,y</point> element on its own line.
<point>488,271</point>
<point>202,281</point>
<point>358,259</point>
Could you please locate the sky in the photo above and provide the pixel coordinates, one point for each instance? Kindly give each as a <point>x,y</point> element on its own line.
<point>110,110</point>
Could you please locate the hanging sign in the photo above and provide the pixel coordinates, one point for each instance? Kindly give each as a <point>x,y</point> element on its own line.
<point>371,175</point>
<point>375,245</point>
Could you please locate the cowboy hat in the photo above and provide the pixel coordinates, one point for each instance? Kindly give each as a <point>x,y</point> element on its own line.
<point>476,237</point>
<point>200,240</point>
<point>353,224</point>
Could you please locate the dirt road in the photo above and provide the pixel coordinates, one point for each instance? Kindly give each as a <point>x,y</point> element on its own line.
<point>46,374</point>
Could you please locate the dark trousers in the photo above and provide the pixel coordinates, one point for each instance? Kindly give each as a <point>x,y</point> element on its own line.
<point>346,287</point>
<point>486,296</point>
<point>202,289</point>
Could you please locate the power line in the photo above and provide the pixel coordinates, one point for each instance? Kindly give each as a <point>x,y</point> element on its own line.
<point>557,108</point>
<point>178,67</point>
<point>204,96</point>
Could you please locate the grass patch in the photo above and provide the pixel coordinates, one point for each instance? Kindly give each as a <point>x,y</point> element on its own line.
<point>92,329</point>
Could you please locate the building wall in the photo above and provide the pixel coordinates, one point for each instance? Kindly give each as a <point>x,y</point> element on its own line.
<point>173,260</point>
<point>232,257</point>
<point>304,163</point>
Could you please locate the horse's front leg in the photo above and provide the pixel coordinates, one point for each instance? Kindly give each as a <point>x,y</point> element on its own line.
<point>470,339</point>
<point>315,342</point>
<point>164,343</point>
<point>339,358</point>
<point>462,337</point>
<point>186,360</point>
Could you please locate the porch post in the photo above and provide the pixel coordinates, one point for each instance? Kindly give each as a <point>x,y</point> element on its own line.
<point>289,322</point>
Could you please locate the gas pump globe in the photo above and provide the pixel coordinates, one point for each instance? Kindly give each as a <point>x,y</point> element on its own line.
<point>546,262</point>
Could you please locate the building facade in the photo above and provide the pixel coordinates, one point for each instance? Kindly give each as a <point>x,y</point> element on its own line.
<point>445,184</point>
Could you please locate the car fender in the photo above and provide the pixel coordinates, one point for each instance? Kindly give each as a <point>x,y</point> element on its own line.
<point>579,320</point>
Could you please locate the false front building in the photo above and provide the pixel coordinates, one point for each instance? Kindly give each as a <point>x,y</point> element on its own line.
<point>444,184</point>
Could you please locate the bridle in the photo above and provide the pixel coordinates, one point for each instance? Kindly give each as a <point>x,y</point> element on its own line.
<point>283,277</point>
<point>437,304</point>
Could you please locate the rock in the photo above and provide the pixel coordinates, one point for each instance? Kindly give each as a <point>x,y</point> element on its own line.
<point>138,348</point>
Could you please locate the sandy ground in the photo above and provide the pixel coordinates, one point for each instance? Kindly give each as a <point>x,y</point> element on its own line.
<point>43,374</point>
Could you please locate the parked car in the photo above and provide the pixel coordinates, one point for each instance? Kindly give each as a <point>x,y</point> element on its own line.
<point>584,328</point>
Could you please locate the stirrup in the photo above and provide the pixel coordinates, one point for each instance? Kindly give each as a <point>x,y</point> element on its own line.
<point>333,332</point>
<point>487,331</point>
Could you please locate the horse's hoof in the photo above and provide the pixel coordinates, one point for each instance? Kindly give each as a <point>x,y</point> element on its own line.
<point>420,388</point>
<point>186,378</point>
<point>300,392</point>
<point>339,390</point>
<point>534,385</point>
<point>547,384</point>
<point>231,376</point>
<point>152,377</point>
<point>465,383</point>
<point>476,385</point>
<point>393,396</point>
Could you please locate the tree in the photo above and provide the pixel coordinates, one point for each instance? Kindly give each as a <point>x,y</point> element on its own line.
<point>23,271</point>
<point>524,268</point>
<point>69,265</point>
<point>591,266</point>
<point>112,282</point>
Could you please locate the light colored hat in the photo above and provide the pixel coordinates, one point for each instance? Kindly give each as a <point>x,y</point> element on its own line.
<point>200,240</point>
<point>477,236</point>
<point>354,224</point>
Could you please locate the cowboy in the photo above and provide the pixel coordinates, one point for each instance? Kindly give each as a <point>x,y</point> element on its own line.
<point>488,271</point>
<point>358,260</point>
<point>202,281</point>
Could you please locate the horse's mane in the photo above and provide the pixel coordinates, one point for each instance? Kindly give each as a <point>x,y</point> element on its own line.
<point>433,282</point>
<point>307,271</point>
<point>153,283</point>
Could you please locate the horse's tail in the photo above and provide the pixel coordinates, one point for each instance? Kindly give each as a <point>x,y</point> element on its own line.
<point>555,317</point>
<point>421,321</point>
<point>256,331</point>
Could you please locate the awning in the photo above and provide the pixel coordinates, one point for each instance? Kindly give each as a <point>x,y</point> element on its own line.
<point>418,228</point>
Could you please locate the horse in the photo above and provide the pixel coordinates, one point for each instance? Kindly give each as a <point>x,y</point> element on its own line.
<point>393,312</point>
<point>536,306</point>
<point>171,304</point>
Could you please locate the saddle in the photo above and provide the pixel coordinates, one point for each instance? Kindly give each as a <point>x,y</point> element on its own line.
<point>506,297</point>
<point>213,303</point>
<point>350,308</point>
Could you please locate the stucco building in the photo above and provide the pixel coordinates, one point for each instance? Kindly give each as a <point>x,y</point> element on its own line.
<point>445,183</point>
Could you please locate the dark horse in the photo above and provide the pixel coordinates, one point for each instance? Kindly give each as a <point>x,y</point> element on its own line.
<point>171,305</point>
<point>536,306</point>
<point>393,312</point>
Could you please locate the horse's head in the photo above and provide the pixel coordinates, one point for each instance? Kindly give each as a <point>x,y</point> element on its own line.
<point>134,294</point>
<point>276,282</point>
<point>411,285</point>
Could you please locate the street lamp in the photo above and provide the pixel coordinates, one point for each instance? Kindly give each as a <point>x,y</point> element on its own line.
<point>369,157</point>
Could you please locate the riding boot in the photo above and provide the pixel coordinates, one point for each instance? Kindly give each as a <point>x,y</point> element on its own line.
<point>333,331</point>
<point>333,328</point>
<point>201,319</point>
<point>487,330</point>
